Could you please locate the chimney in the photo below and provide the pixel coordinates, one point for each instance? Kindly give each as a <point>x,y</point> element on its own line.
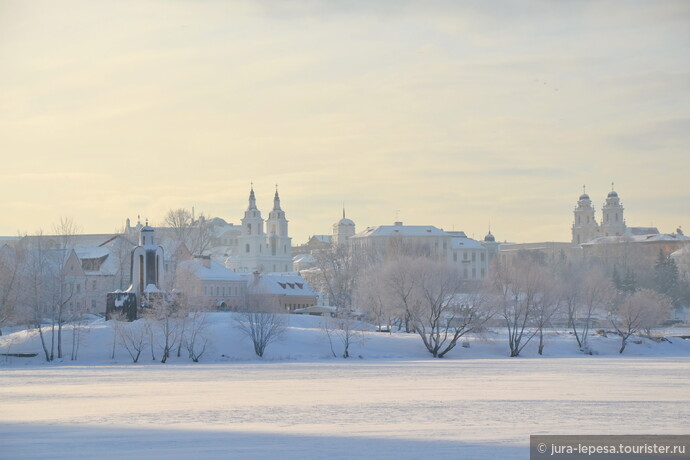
<point>398,224</point>
<point>205,260</point>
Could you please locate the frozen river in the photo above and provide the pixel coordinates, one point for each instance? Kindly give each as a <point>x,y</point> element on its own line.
<point>481,408</point>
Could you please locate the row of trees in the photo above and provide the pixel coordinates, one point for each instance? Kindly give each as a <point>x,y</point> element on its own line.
<point>37,289</point>
<point>526,293</point>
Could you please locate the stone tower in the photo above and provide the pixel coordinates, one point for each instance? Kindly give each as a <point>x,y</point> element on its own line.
<point>343,230</point>
<point>612,220</point>
<point>585,227</point>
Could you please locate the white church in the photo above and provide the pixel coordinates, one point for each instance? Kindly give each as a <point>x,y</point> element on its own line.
<point>263,249</point>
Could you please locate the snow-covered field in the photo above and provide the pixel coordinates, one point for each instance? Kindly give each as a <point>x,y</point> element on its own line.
<point>394,402</point>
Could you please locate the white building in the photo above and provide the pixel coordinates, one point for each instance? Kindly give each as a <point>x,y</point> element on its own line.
<point>343,230</point>
<point>585,227</point>
<point>262,250</point>
<point>208,284</point>
<point>470,257</point>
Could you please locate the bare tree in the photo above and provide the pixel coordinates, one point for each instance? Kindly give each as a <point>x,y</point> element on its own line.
<point>202,235</point>
<point>132,335</point>
<point>587,293</point>
<point>343,328</point>
<point>372,298</point>
<point>180,223</point>
<point>515,284</point>
<point>260,321</point>
<point>164,316</point>
<point>448,308</point>
<point>640,311</point>
<point>196,234</point>
<point>399,281</point>
<point>47,291</point>
<point>547,302</point>
<point>195,337</point>
<point>11,260</point>
<point>337,275</point>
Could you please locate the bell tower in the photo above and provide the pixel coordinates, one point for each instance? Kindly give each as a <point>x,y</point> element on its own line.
<point>585,226</point>
<point>612,220</point>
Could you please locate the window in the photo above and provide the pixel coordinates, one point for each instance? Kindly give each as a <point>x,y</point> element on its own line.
<point>93,285</point>
<point>474,273</point>
<point>464,273</point>
<point>482,256</point>
<point>93,304</point>
<point>78,288</point>
<point>246,247</point>
<point>474,257</point>
<point>455,257</point>
<point>464,256</point>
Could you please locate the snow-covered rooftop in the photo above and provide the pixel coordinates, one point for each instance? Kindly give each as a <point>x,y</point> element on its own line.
<point>214,272</point>
<point>281,284</point>
<point>403,230</point>
<point>639,238</point>
<point>465,243</point>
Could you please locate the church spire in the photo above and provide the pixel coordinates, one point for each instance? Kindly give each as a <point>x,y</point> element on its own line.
<point>276,200</point>
<point>252,198</point>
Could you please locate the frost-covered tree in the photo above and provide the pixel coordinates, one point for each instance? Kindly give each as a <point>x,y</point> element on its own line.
<point>335,275</point>
<point>372,298</point>
<point>640,311</point>
<point>547,302</point>
<point>446,310</point>
<point>586,295</point>
<point>11,262</point>
<point>515,284</point>
<point>164,317</point>
<point>341,328</point>
<point>666,277</point>
<point>260,321</point>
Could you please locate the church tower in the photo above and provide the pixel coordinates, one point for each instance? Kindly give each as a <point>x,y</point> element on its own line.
<point>278,242</point>
<point>585,227</point>
<point>612,221</point>
<point>269,251</point>
<point>252,241</point>
<point>343,230</point>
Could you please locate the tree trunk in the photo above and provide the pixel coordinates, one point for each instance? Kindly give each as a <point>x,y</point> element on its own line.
<point>43,343</point>
<point>624,342</point>
<point>541,341</point>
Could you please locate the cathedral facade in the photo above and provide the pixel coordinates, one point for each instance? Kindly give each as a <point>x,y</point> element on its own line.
<point>585,227</point>
<point>263,246</point>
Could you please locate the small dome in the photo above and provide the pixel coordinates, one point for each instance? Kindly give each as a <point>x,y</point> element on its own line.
<point>345,221</point>
<point>489,237</point>
<point>584,196</point>
<point>613,194</point>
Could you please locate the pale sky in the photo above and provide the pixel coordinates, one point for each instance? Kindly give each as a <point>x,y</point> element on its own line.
<point>446,113</point>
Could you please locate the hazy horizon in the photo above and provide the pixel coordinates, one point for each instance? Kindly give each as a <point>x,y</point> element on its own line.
<point>454,114</point>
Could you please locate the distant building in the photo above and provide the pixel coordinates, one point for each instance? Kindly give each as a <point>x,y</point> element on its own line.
<point>585,227</point>
<point>259,250</point>
<point>469,256</point>
<point>280,292</point>
<point>343,230</point>
<point>209,285</point>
